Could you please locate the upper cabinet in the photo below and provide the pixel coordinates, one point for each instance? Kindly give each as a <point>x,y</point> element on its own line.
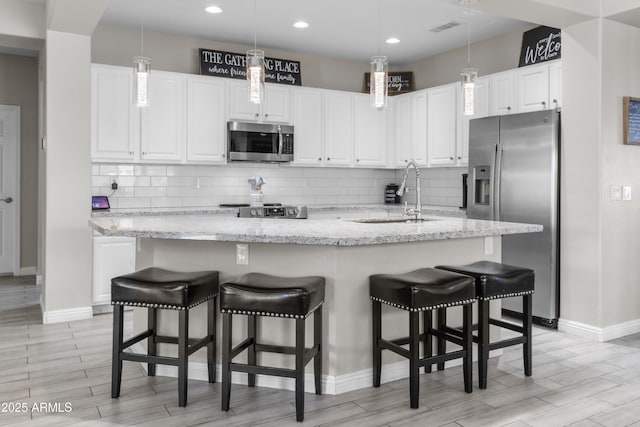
<point>411,128</point>
<point>502,97</point>
<point>163,122</point>
<point>532,88</point>
<point>338,128</point>
<point>442,124</point>
<point>370,133</point>
<point>276,107</point>
<point>115,121</point>
<point>307,124</point>
<point>555,84</point>
<point>206,119</point>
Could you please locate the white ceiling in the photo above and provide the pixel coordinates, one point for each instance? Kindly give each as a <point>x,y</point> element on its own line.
<point>338,28</point>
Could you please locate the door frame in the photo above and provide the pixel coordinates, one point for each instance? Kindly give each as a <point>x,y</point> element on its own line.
<point>17,199</point>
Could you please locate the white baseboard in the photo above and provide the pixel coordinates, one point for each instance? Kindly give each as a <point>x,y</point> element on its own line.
<point>331,384</point>
<point>59,316</point>
<point>27,271</point>
<point>599,334</point>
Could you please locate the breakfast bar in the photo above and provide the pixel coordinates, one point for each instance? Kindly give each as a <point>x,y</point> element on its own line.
<point>346,251</point>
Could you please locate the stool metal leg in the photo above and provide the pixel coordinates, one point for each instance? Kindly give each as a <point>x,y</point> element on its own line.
<point>251,350</point>
<point>428,344</point>
<point>116,362</point>
<point>183,345</point>
<point>414,357</point>
<point>527,330</point>
<point>152,322</point>
<point>226,360</point>
<point>317,341</point>
<point>483,341</point>
<point>467,338</point>
<point>442,343</point>
<point>211,346</point>
<point>377,335</point>
<point>300,347</point>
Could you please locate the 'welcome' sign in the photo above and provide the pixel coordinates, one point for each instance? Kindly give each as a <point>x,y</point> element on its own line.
<point>233,65</point>
<point>539,45</point>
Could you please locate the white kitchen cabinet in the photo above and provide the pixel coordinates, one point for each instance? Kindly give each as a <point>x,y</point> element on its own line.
<point>501,87</point>
<point>411,128</point>
<point>163,122</point>
<point>308,128</point>
<point>481,110</point>
<point>370,133</point>
<point>112,256</point>
<point>338,128</point>
<point>532,88</point>
<point>276,107</point>
<point>555,84</point>
<point>206,120</point>
<point>442,123</point>
<point>115,121</point>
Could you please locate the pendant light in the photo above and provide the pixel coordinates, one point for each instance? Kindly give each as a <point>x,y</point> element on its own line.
<point>141,69</point>
<point>255,67</point>
<point>378,77</point>
<point>468,75</point>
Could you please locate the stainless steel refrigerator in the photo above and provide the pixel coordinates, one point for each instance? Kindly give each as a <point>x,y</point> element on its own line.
<point>514,176</point>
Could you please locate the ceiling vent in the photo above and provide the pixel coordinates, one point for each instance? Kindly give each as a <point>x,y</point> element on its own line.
<point>444,27</point>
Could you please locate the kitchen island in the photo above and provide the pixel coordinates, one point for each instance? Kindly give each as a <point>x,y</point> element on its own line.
<point>344,251</point>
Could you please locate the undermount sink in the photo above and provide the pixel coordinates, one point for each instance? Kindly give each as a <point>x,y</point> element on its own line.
<point>387,220</point>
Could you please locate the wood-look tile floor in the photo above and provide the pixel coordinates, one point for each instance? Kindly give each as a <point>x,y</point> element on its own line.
<point>66,368</point>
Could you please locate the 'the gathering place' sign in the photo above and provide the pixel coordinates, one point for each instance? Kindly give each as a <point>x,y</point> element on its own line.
<point>232,65</point>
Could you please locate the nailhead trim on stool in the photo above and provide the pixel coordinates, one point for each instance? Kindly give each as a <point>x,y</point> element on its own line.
<point>268,314</point>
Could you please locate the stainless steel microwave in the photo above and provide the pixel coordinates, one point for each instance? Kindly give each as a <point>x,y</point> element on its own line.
<point>259,142</point>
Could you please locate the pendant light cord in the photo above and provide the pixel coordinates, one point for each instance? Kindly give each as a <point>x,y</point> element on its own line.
<point>468,33</point>
<point>141,28</point>
<point>379,7</point>
<point>255,24</point>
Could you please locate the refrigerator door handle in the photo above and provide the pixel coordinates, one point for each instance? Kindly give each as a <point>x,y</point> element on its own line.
<point>496,176</point>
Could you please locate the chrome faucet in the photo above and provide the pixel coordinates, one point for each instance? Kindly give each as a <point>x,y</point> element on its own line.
<point>417,211</point>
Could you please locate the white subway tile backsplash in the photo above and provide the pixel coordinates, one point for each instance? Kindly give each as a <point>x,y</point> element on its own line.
<point>201,186</point>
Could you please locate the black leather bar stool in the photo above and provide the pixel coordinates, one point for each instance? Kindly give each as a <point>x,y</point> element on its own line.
<point>493,281</point>
<point>156,288</point>
<point>257,294</point>
<point>423,290</point>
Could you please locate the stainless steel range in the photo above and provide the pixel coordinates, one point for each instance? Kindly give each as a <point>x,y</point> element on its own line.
<point>286,212</point>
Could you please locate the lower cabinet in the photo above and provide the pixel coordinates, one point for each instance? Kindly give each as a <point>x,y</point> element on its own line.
<point>112,256</point>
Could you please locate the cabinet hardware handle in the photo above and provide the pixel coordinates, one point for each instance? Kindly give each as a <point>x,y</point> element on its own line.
<point>224,155</point>
<point>328,158</point>
<point>256,114</point>
<point>459,158</point>
<point>357,160</point>
<point>508,108</point>
<point>266,115</point>
<point>319,159</point>
<point>406,161</point>
<point>450,158</point>
<point>544,103</point>
<point>555,101</point>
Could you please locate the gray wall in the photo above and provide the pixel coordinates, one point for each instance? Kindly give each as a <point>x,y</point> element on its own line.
<point>19,86</point>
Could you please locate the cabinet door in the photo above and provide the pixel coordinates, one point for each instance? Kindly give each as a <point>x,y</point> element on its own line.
<point>307,122</point>
<point>419,125</point>
<point>206,119</point>
<point>555,84</point>
<point>277,104</point>
<point>403,129</point>
<point>533,88</point>
<point>338,128</point>
<point>115,121</point>
<point>112,256</point>
<point>239,106</point>
<point>501,86</point>
<point>481,110</point>
<point>163,121</point>
<point>441,125</point>
<point>370,133</point>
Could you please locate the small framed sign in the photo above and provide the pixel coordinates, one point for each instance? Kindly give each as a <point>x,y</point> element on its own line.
<point>631,120</point>
<point>540,44</point>
<point>397,82</point>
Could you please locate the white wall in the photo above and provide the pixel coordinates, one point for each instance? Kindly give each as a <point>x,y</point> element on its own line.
<point>68,173</point>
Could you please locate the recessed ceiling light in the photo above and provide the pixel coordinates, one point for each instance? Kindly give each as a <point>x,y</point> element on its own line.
<point>393,40</point>
<point>213,9</point>
<point>301,24</point>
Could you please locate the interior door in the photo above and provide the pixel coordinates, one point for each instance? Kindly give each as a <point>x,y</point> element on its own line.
<point>9,139</point>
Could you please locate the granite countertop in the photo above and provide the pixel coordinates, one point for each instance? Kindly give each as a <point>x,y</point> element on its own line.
<point>337,232</point>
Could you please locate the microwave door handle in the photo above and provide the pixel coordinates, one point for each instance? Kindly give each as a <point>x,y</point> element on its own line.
<point>280,141</point>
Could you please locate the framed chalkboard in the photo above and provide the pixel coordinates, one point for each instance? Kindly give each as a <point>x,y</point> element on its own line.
<point>631,120</point>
